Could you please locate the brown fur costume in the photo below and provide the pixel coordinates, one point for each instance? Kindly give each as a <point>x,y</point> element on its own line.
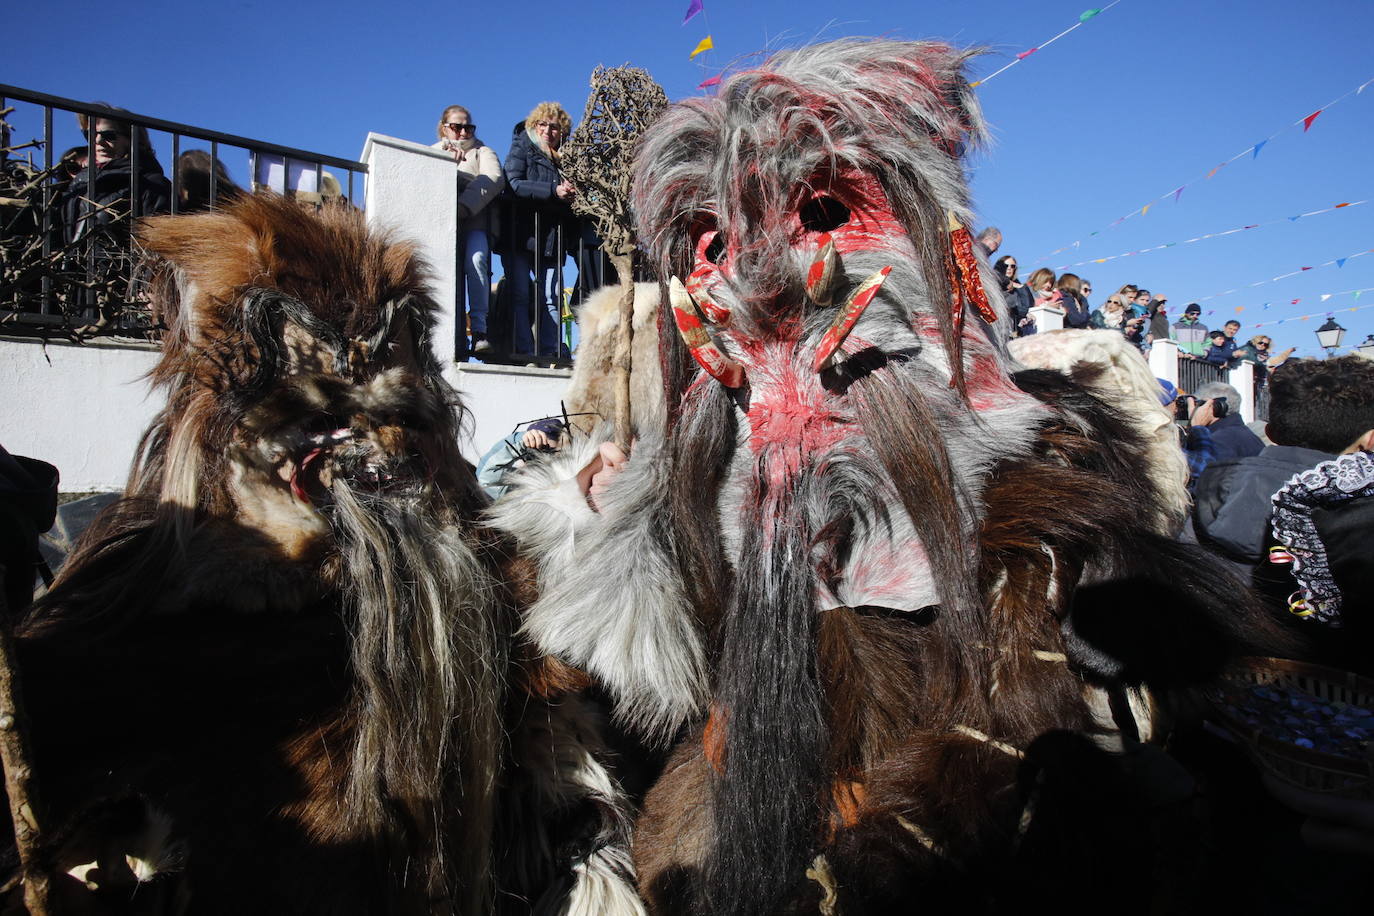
<point>280,675</point>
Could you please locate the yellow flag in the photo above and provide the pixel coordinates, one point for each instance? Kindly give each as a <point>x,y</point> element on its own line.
<point>705,45</point>
<point>1146,209</point>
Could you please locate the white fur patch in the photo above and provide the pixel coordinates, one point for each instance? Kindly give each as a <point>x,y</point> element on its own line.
<point>612,600</point>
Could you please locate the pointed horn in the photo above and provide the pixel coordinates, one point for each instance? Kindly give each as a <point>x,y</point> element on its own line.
<point>696,288</point>
<point>847,316</point>
<point>703,349</point>
<point>820,278</point>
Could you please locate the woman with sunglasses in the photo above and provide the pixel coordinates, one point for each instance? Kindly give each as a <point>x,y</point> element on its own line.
<point>1018,295</point>
<point>480,181</point>
<point>101,201</point>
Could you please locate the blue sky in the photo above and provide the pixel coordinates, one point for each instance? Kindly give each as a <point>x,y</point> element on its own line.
<point>1147,96</point>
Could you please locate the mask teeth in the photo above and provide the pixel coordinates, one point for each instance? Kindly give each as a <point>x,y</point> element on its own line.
<point>696,288</point>
<point>847,317</point>
<point>703,349</point>
<point>820,277</point>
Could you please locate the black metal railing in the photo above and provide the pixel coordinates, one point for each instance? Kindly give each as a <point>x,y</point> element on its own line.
<point>1193,373</point>
<point>537,324</point>
<point>67,255</point>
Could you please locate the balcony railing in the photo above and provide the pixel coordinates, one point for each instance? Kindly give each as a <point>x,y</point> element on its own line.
<point>67,255</point>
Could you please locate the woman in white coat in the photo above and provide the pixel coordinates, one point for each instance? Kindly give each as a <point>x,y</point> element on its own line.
<point>479,183</point>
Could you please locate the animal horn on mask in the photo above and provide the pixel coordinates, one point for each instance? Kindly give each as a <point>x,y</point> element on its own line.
<point>820,277</point>
<point>699,279</point>
<point>710,357</point>
<point>847,317</point>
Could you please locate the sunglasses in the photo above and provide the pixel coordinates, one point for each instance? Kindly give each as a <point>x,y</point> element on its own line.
<point>109,135</point>
<point>461,127</point>
<point>1087,289</point>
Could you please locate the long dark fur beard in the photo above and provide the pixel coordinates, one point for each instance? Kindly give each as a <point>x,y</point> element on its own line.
<point>428,690</point>
<point>770,705</point>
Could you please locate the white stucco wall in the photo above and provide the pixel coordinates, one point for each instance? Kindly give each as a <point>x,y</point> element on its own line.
<point>83,408</point>
<point>499,397</point>
<point>412,192</point>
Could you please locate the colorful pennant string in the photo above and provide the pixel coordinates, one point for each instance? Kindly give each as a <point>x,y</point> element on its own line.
<point>692,9</point>
<point>1216,235</point>
<point>1252,151</point>
<point>1328,313</point>
<point>1291,273</point>
<point>1082,18</point>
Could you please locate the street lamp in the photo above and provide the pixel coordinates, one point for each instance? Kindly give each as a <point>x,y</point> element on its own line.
<point>1330,336</point>
<point>1366,349</point>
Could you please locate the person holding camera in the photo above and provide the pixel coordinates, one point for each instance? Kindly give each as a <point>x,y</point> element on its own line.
<point>1214,428</point>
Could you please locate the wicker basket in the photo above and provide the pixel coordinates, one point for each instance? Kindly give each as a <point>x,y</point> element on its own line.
<point>1349,777</point>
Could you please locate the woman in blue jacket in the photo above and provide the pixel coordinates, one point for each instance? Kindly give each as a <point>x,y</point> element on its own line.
<point>533,175</point>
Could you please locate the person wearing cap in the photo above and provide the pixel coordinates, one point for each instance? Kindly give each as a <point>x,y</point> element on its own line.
<point>1190,333</point>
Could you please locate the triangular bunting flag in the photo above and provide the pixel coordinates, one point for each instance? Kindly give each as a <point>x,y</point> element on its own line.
<point>1325,296</point>
<point>1295,301</point>
<point>1357,293</point>
<point>1340,262</point>
<point>1338,206</point>
<point>1145,209</point>
<point>1214,171</point>
<point>692,9</point>
<point>703,45</point>
<point>1304,268</point>
<point>975,84</point>
<point>1307,121</point>
<point>1239,309</point>
<point>1088,14</point>
<point>1178,193</point>
<point>1258,146</point>
<point>1294,219</point>
<point>1024,54</point>
<point>708,83</point>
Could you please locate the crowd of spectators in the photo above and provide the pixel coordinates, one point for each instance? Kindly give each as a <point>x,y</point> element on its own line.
<point>1140,315</point>
<point>533,236</point>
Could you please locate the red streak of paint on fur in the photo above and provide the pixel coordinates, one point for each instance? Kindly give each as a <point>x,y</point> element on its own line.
<point>790,415</point>
<point>872,224</point>
<point>985,378</point>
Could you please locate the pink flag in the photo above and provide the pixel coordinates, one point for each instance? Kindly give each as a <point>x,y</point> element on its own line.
<point>1307,121</point>
<point>692,9</point>
<point>707,83</point>
<point>1024,54</point>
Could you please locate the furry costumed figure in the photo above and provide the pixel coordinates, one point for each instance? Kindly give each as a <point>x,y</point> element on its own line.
<point>281,676</point>
<point>872,576</point>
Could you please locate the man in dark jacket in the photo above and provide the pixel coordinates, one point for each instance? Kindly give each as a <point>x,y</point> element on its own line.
<point>1318,409</point>
<point>122,183</point>
<point>1231,436</point>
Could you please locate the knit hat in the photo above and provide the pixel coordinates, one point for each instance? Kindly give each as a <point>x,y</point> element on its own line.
<point>1167,392</point>
<point>1193,309</point>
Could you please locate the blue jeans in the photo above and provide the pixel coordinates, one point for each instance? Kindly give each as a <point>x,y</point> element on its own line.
<point>477,269</point>
<point>550,299</point>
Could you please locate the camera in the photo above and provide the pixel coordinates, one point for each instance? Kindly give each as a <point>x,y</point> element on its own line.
<point>1220,407</point>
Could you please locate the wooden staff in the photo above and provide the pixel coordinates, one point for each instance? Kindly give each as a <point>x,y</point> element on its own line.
<point>19,779</point>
